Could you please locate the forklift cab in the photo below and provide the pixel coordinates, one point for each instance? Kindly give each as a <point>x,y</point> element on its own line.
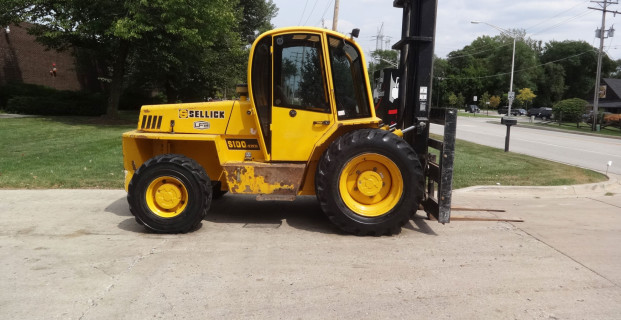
<point>303,82</point>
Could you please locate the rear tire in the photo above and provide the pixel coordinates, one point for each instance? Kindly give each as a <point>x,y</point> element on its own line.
<point>369,182</point>
<point>169,193</point>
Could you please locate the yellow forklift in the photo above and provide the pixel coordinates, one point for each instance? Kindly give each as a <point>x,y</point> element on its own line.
<point>304,124</point>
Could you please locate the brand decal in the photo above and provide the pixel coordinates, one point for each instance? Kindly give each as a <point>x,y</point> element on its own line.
<point>201,125</point>
<point>242,144</point>
<point>200,114</point>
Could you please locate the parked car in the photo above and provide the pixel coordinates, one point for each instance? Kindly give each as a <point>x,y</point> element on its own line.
<point>606,118</point>
<point>518,112</point>
<point>532,112</point>
<point>544,113</point>
<point>473,108</point>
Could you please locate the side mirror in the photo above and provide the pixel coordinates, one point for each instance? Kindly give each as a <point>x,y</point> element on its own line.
<point>355,33</point>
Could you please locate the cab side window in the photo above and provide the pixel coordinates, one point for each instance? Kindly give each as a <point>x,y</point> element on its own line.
<point>262,84</point>
<point>350,88</point>
<point>299,73</point>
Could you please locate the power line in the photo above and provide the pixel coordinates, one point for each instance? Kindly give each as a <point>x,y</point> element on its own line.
<point>303,11</point>
<point>581,14</point>
<point>520,70</point>
<point>311,13</point>
<point>558,14</point>
<point>584,13</point>
<point>326,9</point>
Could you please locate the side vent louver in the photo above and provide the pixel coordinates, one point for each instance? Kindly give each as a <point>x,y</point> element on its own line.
<point>151,122</point>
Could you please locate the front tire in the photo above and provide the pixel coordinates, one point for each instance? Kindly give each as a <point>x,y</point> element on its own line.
<point>169,193</point>
<point>369,182</point>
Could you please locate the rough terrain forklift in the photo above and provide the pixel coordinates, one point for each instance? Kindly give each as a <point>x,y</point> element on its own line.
<point>304,124</point>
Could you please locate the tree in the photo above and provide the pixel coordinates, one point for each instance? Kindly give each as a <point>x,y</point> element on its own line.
<point>494,102</point>
<point>440,85</point>
<point>382,59</point>
<point>484,100</point>
<point>485,65</point>
<point>551,85</point>
<point>579,61</point>
<point>570,110</point>
<point>526,70</point>
<point>452,100</point>
<point>182,54</point>
<point>257,16</point>
<point>175,44</point>
<point>525,96</point>
<point>617,72</point>
<point>461,100</point>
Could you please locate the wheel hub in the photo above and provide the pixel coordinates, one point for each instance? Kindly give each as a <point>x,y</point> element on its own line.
<point>369,183</point>
<point>168,196</point>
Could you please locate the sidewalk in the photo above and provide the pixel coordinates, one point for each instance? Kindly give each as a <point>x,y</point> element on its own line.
<point>613,185</point>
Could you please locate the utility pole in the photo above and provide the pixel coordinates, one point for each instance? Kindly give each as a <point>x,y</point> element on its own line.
<point>600,34</point>
<point>379,38</point>
<point>335,19</point>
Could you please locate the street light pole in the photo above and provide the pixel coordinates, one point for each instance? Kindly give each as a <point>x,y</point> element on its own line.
<point>511,93</point>
<point>508,121</point>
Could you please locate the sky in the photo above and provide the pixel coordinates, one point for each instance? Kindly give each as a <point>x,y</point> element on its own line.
<point>543,20</point>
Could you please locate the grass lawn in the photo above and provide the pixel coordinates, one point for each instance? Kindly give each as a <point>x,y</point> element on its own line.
<point>476,164</point>
<point>78,152</point>
<point>61,152</point>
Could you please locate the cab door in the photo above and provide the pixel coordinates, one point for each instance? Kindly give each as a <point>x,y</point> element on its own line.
<point>301,112</point>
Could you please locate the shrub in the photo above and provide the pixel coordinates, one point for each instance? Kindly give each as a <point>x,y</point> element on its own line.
<point>570,110</point>
<point>39,100</point>
<point>133,99</point>
<point>60,104</point>
<point>14,89</point>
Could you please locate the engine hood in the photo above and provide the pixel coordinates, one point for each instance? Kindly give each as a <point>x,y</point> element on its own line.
<point>202,117</point>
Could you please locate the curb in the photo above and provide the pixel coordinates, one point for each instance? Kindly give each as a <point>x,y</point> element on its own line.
<point>613,185</point>
<point>529,126</point>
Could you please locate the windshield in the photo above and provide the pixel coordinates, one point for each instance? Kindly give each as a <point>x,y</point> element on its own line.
<point>350,90</point>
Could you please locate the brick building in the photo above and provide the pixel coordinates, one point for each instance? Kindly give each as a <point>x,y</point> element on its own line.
<point>22,59</point>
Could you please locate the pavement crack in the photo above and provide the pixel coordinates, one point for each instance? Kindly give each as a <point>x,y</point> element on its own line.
<point>93,302</point>
<point>570,257</point>
<point>604,202</point>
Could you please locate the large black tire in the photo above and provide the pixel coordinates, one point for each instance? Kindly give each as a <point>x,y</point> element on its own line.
<point>169,193</point>
<point>389,175</point>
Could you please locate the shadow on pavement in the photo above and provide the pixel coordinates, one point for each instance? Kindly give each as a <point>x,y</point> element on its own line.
<point>421,225</point>
<point>119,207</point>
<point>304,213</point>
<point>132,225</point>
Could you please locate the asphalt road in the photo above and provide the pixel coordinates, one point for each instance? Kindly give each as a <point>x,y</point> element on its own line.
<point>589,152</point>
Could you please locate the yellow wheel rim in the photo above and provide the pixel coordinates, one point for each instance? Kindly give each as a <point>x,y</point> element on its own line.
<point>167,197</point>
<point>371,184</point>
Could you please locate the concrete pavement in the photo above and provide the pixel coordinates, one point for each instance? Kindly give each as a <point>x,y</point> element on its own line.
<point>79,254</point>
